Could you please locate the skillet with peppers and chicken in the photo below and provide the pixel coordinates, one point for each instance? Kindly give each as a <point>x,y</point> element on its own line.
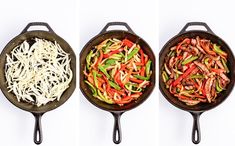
<point>195,70</point>
<point>117,71</point>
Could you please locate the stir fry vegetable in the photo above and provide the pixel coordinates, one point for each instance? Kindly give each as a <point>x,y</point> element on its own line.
<point>117,71</point>
<point>195,70</point>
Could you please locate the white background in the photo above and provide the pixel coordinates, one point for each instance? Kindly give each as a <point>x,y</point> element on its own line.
<point>60,126</point>
<point>139,126</point>
<point>78,122</point>
<point>217,125</point>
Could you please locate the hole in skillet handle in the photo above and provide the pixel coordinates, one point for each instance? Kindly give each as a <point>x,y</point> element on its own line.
<point>32,24</point>
<point>117,133</point>
<point>191,24</point>
<point>37,128</point>
<point>110,24</point>
<point>196,132</point>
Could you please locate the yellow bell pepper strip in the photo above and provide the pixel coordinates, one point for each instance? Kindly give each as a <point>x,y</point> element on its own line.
<point>132,53</point>
<point>88,60</point>
<point>147,67</point>
<point>206,61</point>
<point>218,88</point>
<point>225,65</point>
<point>192,58</point>
<point>93,89</point>
<point>165,76</point>
<point>109,43</point>
<point>196,76</point>
<point>219,51</point>
<point>95,78</point>
<point>105,99</point>
<point>102,69</point>
<point>130,88</point>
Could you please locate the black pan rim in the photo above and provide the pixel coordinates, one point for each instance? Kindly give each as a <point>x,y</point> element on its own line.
<point>160,78</point>
<point>80,66</point>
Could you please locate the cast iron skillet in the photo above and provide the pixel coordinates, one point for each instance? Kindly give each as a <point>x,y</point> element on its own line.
<point>116,110</point>
<point>37,111</point>
<point>196,110</point>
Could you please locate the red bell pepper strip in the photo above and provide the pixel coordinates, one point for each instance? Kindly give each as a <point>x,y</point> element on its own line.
<point>142,71</point>
<point>127,43</point>
<point>113,52</point>
<point>218,71</point>
<point>186,40</point>
<point>203,88</point>
<point>121,92</point>
<point>139,63</point>
<point>136,80</point>
<point>186,73</point>
<point>142,56</point>
<point>128,99</point>
<point>146,59</point>
<point>117,76</point>
<point>117,79</point>
<point>127,77</point>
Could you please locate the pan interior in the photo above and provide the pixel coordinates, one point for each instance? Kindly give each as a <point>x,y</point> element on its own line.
<point>97,40</point>
<point>221,96</point>
<point>29,36</point>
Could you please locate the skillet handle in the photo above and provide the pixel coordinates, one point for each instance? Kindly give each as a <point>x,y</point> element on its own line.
<point>196,133</point>
<point>37,24</point>
<point>196,24</point>
<point>117,23</point>
<point>117,133</point>
<point>38,128</point>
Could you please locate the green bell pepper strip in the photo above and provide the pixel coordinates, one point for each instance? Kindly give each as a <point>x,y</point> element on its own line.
<point>132,53</point>
<point>196,76</point>
<point>95,78</point>
<point>218,88</point>
<point>105,99</point>
<point>110,62</point>
<point>102,69</point>
<point>130,89</point>
<point>93,89</point>
<point>218,50</point>
<point>109,43</point>
<point>88,59</point>
<point>114,85</point>
<point>192,58</point>
<point>142,77</point>
<point>116,56</point>
<point>147,67</point>
<point>225,65</point>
